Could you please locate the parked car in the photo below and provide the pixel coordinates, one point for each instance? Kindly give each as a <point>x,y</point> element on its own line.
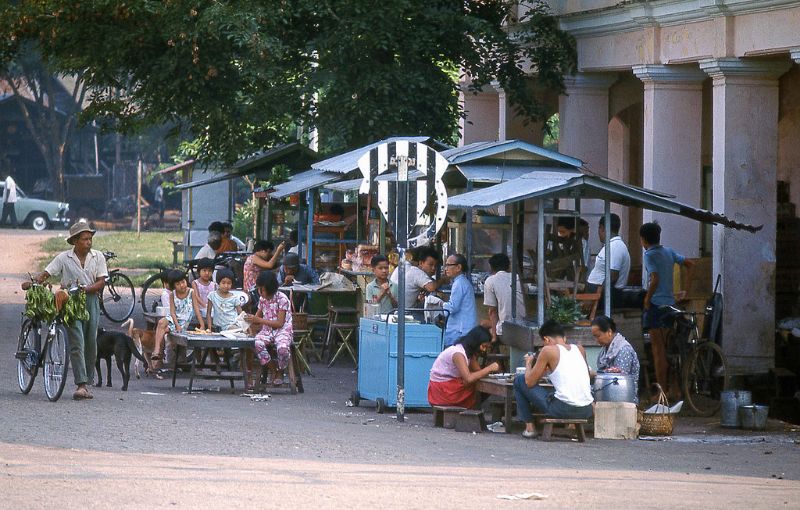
<point>37,213</point>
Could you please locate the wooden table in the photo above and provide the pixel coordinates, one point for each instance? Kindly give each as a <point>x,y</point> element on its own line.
<point>501,388</point>
<point>203,371</point>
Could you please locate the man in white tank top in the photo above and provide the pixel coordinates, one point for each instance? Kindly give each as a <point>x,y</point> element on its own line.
<point>571,395</point>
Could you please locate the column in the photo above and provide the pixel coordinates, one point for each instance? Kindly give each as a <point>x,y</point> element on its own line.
<point>583,119</point>
<point>482,122</point>
<point>673,106</point>
<point>745,147</point>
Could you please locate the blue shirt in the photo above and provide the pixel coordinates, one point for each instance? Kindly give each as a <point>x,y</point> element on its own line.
<point>304,275</point>
<point>660,259</point>
<point>463,316</point>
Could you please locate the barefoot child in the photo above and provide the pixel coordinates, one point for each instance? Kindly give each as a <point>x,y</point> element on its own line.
<point>202,288</point>
<point>182,310</point>
<point>381,291</point>
<point>223,305</point>
<point>275,318</point>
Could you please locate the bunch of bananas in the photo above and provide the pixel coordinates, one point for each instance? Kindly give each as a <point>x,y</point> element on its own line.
<point>40,304</point>
<point>75,309</point>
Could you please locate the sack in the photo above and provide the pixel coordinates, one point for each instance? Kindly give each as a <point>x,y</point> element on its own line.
<point>657,424</point>
<point>336,281</point>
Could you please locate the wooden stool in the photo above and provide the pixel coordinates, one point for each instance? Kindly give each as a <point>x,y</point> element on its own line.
<point>344,332</point>
<point>445,416</point>
<point>471,420</point>
<point>335,314</point>
<point>547,430</point>
<point>300,338</point>
<point>292,371</point>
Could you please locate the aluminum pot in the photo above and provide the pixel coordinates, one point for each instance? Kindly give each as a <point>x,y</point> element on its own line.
<point>610,387</point>
<point>730,402</point>
<point>753,417</point>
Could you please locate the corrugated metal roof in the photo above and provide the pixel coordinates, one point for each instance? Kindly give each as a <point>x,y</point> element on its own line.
<point>273,155</point>
<point>571,184</point>
<point>490,173</point>
<point>507,149</point>
<point>351,185</point>
<point>303,181</point>
<point>348,162</point>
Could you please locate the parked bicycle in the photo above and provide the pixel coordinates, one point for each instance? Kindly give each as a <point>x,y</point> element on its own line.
<point>152,288</point>
<point>118,298</point>
<point>43,345</point>
<point>697,362</point>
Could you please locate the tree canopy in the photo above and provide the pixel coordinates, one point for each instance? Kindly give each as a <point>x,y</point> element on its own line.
<point>244,74</point>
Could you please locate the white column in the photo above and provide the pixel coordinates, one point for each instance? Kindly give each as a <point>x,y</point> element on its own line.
<point>745,148</point>
<point>673,106</point>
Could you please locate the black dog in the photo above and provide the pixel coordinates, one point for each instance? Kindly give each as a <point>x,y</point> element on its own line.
<point>122,347</point>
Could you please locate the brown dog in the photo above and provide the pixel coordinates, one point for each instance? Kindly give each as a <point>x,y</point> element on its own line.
<point>145,341</point>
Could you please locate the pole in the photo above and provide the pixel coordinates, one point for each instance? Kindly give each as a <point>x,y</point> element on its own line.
<point>139,199</point>
<point>309,227</point>
<point>468,231</point>
<point>540,264</point>
<point>514,262</point>
<point>402,240</point>
<point>607,245</point>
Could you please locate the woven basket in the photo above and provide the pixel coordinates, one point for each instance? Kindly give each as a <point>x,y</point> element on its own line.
<point>656,424</point>
<point>299,319</point>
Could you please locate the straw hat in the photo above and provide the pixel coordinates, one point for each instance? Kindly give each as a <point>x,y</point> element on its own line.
<point>77,228</point>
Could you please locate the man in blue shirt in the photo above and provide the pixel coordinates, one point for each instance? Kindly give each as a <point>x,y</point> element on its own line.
<point>291,272</point>
<point>658,263</point>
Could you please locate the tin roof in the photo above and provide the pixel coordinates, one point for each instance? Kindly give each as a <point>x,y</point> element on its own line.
<point>348,162</point>
<point>574,184</point>
<point>508,150</point>
<point>304,181</point>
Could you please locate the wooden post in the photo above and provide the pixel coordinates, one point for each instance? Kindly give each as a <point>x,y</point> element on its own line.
<point>139,199</point>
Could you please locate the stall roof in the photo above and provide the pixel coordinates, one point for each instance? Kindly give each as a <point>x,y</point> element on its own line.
<point>575,184</point>
<point>294,154</point>
<point>350,185</point>
<point>304,181</point>
<point>507,150</point>
<point>493,173</point>
<point>348,162</point>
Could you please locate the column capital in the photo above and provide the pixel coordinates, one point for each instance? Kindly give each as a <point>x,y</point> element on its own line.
<point>795,53</point>
<point>744,68</point>
<point>669,73</point>
<point>589,81</point>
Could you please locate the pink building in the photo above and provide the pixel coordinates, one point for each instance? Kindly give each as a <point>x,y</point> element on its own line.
<point>700,99</point>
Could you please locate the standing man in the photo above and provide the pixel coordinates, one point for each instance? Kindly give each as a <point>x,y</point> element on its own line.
<point>497,294</point>
<point>9,202</point>
<point>620,262</point>
<point>87,268</point>
<point>658,262</point>
<point>461,306</point>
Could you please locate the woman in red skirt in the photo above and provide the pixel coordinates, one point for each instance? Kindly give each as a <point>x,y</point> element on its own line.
<point>456,370</point>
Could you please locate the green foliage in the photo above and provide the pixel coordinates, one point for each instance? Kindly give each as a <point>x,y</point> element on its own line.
<point>149,251</point>
<point>564,310</point>
<point>243,74</point>
<point>244,218</point>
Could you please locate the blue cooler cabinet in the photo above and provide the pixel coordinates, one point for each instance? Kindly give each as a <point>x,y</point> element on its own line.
<point>377,362</point>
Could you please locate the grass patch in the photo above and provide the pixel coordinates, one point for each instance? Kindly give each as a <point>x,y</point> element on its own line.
<point>145,254</point>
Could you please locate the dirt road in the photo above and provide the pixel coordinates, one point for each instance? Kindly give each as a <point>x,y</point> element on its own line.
<point>156,446</point>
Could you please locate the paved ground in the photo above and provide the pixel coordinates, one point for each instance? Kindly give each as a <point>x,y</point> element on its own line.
<point>156,446</point>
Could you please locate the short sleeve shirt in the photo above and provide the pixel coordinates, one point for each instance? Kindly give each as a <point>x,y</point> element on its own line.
<point>416,279</point>
<point>620,261</point>
<point>497,293</point>
<point>660,259</point>
<point>223,309</point>
<point>373,290</point>
<point>68,267</point>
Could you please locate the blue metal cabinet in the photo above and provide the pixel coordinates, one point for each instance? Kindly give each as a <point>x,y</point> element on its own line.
<point>377,361</point>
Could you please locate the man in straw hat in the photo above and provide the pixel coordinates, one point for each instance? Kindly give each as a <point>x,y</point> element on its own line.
<point>87,268</point>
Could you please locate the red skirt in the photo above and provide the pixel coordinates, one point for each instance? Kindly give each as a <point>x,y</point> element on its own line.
<point>452,393</point>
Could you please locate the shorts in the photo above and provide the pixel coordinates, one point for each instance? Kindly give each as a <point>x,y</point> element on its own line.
<point>656,318</point>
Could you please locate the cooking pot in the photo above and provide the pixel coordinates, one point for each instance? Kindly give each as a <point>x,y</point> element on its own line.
<point>611,387</point>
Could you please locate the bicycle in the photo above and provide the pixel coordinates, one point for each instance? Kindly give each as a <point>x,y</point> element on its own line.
<point>152,288</point>
<point>697,361</point>
<point>52,355</point>
<point>118,297</point>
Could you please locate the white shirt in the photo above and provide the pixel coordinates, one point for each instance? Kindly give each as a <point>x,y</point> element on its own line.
<point>10,192</point>
<point>620,261</point>
<point>206,252</point>
<point>497,293</point>
<point>416,279</point>
<point>68,266</point>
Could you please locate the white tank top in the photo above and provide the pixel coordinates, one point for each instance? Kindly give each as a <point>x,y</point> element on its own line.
<point>571,378</point>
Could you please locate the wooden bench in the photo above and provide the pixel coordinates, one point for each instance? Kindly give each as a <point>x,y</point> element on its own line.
<point>548,423</point>
<point>445,416</point>
<point>471,420</point>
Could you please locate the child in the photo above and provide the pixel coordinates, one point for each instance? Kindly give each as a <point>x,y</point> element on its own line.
<point>182,309</point>
<point>265,256</point>
<point>203,287</point>
<point>275,317</point>
<point>223,306</point>
<point>381,291</point>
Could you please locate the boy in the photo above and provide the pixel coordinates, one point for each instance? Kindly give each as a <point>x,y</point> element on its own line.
<point>381,291</point>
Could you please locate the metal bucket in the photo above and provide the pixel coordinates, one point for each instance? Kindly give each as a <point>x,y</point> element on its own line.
<point>610,387</point>
<point>730,402</point>
<point>753,417</point>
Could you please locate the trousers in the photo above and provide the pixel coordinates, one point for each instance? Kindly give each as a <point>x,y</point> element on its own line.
<point>9,213</point>
<point>544,401</point>
<point>83,342</point>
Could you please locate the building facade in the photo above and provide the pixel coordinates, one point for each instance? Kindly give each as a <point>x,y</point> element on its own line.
<point>699,99</point>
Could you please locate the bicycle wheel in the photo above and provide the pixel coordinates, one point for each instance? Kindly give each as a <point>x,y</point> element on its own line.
<point>56,363</point>
<point>705,377</point>
<point>118,298</point>
<point>27,355</point>
<point>151,293</point>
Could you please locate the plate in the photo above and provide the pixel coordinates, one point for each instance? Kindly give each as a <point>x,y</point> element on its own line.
<point>501,376</point>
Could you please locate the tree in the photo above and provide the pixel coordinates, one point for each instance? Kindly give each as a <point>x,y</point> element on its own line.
<point>245,73</point>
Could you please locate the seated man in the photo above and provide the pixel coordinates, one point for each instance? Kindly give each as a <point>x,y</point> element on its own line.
<point>569,375</point>
<point>419,275</point>
<point>292,271</point>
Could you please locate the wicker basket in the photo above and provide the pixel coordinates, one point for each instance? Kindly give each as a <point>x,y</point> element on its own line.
<point>299,318</point>
<point>656,424</point>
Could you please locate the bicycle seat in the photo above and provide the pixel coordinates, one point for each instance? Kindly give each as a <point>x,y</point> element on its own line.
<point>109,255</point>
